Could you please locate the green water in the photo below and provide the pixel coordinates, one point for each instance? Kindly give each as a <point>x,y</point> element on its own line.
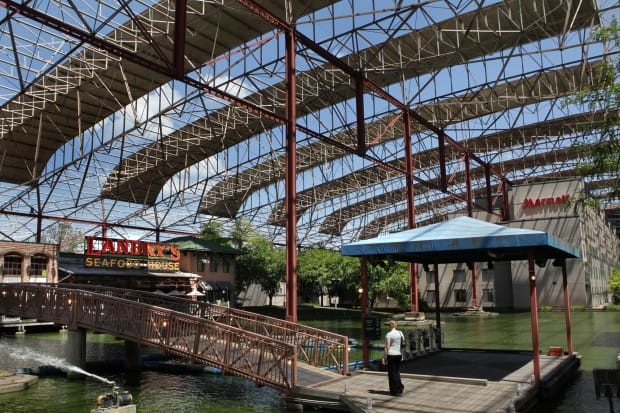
<point>596,336</point>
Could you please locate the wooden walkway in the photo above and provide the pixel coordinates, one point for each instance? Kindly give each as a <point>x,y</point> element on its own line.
<point>367,391</point>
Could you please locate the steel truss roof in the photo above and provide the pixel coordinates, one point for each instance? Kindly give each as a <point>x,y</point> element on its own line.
<point>113,119</point>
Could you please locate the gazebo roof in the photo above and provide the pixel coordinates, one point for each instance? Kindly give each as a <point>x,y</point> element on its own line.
<point>462,239</point>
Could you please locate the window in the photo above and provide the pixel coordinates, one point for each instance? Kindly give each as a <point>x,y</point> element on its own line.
<point>38,266</point>
<point>488,295</point>
<point>213,265</point>
<point>460,296</point>
<point>459,276</point>
<point>488,276</point>
<point>430,277</point>
<point>226,265</point>
<point>12,265</point>
<point>430,297</point>
<point>200,267</point>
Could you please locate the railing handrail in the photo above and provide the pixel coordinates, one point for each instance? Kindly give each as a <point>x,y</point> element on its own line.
<point>315,346</point>
<point>263,359</point>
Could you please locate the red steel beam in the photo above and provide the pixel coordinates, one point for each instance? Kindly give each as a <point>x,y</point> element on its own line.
<point>89,38</point>
<point>180,20</point>
<point>329,57</point>
<point>413,267</point>
<point>88,222</point>
<point>291,179</point>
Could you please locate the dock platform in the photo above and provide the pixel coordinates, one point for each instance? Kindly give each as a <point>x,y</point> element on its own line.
<point>447,381</point>
<point>19,325</point>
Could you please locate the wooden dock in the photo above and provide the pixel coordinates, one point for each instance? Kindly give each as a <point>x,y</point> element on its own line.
<point>367,391</point>
<point>19,325</point>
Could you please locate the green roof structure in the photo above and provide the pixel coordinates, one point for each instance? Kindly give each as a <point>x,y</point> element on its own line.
<point>197,244</point>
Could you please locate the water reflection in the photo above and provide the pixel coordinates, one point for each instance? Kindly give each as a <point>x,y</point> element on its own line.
<point>153,392</point>
<point>596,337</point>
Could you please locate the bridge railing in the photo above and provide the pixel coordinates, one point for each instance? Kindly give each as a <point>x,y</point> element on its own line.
<point>265,360</point>
<point>314,346</point>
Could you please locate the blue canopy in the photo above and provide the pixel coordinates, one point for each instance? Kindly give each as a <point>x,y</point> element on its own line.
<point>462,239</point>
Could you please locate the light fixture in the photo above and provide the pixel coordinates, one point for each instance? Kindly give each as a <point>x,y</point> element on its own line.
<point>533,277</point>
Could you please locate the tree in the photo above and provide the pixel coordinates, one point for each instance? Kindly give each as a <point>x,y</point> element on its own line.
<point>67,237</point>
<point>214,231</point>
<point>261,263</point>
<point>614,285</point>
<point>393,281</point>
<point>323,271</point>
<point>242,231</point>
<point>602,148</point>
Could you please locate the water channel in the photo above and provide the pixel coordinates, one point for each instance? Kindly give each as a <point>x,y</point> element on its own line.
<point>596,337</point>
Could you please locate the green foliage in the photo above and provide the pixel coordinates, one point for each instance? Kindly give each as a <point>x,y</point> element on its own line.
<point>392,281</point>
<point>614,285</point>
<point>319,271</point>
<point>318,268</point>
<point>241,232</point>
<point>262,263</point>
<point>66,236</point>
<point>213,231</point>
<point>600,148</point>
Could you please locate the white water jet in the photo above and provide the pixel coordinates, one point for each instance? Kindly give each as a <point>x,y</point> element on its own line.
<point>25,353</point>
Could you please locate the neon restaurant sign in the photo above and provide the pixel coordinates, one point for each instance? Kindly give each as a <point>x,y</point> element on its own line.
<point>558,200</point>
<point>123,254</point>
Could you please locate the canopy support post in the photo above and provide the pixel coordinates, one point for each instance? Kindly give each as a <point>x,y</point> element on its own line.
<point>534,313</point>
<point>569,337</point>
<point>437,299</point>
<point>364,310</point>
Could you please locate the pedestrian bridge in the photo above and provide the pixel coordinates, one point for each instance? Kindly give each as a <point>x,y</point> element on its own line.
<point>267,350</point>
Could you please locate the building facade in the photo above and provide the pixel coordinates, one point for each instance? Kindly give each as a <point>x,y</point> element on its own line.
<point>25,262</point>
<point>214,266</point>
<point>547,207</point>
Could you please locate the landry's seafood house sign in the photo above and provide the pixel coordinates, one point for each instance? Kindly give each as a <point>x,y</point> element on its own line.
<point>126,254</point>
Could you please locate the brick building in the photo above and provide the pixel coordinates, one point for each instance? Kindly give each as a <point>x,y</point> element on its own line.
<point>25,262</point>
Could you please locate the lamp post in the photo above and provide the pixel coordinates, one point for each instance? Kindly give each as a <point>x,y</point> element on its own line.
<point>334,290</point>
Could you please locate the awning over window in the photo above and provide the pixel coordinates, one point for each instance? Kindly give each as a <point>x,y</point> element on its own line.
<point>216,285</point>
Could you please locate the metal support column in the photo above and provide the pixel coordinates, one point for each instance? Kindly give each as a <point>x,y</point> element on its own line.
<point>413,268</point>
<point>180,18</point>
<point>291,180</point>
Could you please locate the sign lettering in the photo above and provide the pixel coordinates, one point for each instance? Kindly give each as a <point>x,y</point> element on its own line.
<point>113,253</point>
<point>532,203</point>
